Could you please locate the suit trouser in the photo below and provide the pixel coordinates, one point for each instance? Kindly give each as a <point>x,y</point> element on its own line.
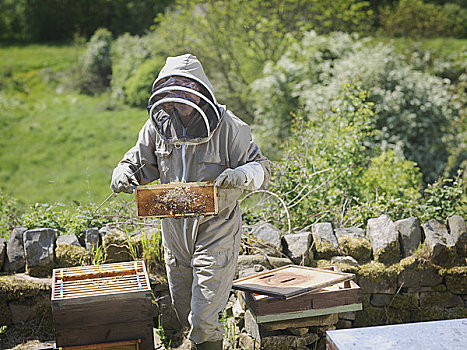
<point>200,283</point>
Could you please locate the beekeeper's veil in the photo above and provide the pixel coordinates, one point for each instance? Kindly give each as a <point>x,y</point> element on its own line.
<point>182,104</point>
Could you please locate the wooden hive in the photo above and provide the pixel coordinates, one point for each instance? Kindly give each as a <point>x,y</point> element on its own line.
<point>315,292</point>
<point>102,304</point>
<point>177,200</point>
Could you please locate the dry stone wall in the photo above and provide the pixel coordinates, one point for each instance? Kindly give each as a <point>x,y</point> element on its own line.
<point>407,272</point>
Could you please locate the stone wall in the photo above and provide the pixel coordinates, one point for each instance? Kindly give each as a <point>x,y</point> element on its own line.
<point>407,272</point>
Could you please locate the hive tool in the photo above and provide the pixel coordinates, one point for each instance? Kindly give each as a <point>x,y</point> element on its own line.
<point>114,194</point>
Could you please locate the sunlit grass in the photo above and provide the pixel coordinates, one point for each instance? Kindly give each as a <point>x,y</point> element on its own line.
<point>53,141</point>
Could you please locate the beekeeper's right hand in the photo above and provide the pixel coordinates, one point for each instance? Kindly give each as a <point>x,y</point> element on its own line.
<point>122,180</point>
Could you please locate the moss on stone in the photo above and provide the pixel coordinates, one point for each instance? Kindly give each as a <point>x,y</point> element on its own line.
<point>67,255</point>
<point>116,247</point>
<point>14,288</point>
<point>404,302</point>
<point>5,314</point>
<point>341,266</point>
<point>456,279</point>
<point>389,255</point>
<point>370,316</point>
<point>433,313</point>
<point>443,299</point>
<point>357,248</point>
<point>40,271</point>
<point>376,271</point>
<point>325,250</point>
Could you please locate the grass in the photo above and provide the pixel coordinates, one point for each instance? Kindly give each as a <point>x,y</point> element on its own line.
<point>52,140</point>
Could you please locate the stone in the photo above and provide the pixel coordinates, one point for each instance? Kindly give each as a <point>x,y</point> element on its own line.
<point>324,240</point>
<point>384,239</point>
<point>413,273</point>
<point>440,242</point>
<point>298,331</point>
<point>344,324</point>
<point>456,279</point>
<point>380,300</point>
<point>39,247</point>
<point>357,247</point>
<point>69,239</point>
<point>344,260</point>
<point>287,342</point>
<point>165,314</point>
<point>374,277</point>
<point>264,237</point>
<point>2,251</point>
<point>116,246</point>
<point>440,299</point>
<point>458,230</point>
<point>354,232</point>
<point>297,246</point>
<point>405,301</point>
<point>247,342</point>
<point>246,264</point>
<point>347,315</point>
<point>92,239</point>
<point>15,260</point>
<point>410,235</point>
<point>69,255</point>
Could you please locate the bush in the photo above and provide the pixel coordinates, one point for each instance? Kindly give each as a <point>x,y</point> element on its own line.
<point>128,54</point>
<point>417,19</point>
<point>414,110</point>
<point>95,69</point>
<point>324,156</point>
<point>138,87</point>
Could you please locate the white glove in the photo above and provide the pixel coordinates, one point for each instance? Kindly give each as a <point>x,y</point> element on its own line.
<point>231,178</point>
<point>122,181</point>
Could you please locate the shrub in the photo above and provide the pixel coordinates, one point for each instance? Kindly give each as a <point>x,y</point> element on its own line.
<point>417,19</point>
<point>96,64</point>
<point>138,87</point>
<point>128,53</point>
<point>414,110</point>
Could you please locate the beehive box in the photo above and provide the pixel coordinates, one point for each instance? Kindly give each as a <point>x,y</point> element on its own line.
<point>102,304</point>
<point>177,200</point>
<point>315,292</point>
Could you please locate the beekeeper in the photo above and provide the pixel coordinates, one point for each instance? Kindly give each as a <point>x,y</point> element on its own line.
<point>189,137</point>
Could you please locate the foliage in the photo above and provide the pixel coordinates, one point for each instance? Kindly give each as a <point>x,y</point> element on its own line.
<point>65,221</point>
<point>128,54</point>
<point>234,39</point>
<point>391,175</point>
<point>417,19</point>
<point>414,110</point>
<point>42,20</point>
<point>444,198</point>
<point>8,214</point>
<point>323,160</point>
<point>138,87</point>
<point>96,63</point>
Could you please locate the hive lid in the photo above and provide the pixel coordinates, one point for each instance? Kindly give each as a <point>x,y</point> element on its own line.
<point>97,280</point>
<point>290,281</point>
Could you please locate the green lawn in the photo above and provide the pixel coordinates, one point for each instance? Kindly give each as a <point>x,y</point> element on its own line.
<point>52,140</point>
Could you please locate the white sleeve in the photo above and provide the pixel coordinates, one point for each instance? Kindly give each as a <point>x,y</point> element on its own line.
<point>254,175</point>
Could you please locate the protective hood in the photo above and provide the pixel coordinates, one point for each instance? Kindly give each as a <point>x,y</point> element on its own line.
<point>182,105</point>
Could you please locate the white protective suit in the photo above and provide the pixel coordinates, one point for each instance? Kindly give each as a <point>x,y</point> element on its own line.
<point>200,253</point>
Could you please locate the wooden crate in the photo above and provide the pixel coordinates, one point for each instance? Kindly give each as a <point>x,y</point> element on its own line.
<point>335,298</point>
<point>177,200</point>
<point>102,304</point>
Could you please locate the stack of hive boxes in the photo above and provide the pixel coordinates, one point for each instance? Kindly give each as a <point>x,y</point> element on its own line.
<point>296,298</point>
<point>103,306</point>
